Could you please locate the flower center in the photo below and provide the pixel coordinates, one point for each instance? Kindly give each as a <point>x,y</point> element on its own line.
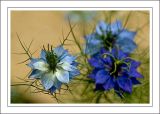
<point>51,58</point>
<point>108,40</point>
<point>117,67</point>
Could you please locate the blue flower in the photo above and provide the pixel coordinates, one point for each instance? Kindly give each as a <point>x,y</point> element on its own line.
<point>78,16</point>
<point>114,70</point>
<point>108,36</point>
<point>54,67</point>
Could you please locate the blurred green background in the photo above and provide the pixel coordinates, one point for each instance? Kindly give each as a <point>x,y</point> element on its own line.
<point>50,26</point>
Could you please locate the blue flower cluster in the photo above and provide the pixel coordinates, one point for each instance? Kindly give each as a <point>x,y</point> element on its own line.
<point>54,67</point>
<point>109,48</point>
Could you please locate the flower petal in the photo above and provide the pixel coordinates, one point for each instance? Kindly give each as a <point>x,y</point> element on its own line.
<point>52,89</point>
<point>66,66</point>
<point>135,81</point>
<point>126,45</point>
<point>41,65</point>
<point>73,73</point>
<point>93,44</point>
<point>56,82</point>
<point>74,63</point>
<point>36,74</point>
<point>47,80</point>
<point>102,76</point>
<point>62,75</point>
<point>93,74</point>
<point>125,84</point>
<point>68,59</point>
<point>116,27</point>
<point>134,73</point>
<point>109,84</point>
<point>97,63</point>
<point>127,34</point>
<point>43,54</point>
<point>93,39</point>
<point>121,55</point>
<point>38,64</point>
<point>134,64</point>
<point>101,28</point>
<point>60,52</point>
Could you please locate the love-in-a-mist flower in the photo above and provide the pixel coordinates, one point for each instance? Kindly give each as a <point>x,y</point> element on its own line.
<point>114,70</point>
<point>54,67</point>
<point>108,36</point>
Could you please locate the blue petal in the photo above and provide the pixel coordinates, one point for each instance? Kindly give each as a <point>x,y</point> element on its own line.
<point>109,84</point>
<point>114,52</point>
<point>93,74</point>
<point>74,63</point>
<point>102,28</point>
<point>97,63</point>
<point>93,39</point>
<point>60,52</point>
<point>121,55</point>
<point>133,69</point>
<point>35,74</point>
<point>56,82</point>
<point>68,59</point>
<point>93,44</point>
<point>103,50</point>
<point>62,75</point>
<point>74,73</point>
<point>43,54</point>
<point>117,90</point>
<point>127,34</point>
<point>102,76</point>
<point>92,49</point>
<point>52,89</point>
<point>126,45</point>
<point>134,64</point>
<point>33,60</point>
<point>135,81</point>
<point>116,27</point>
<point>38,64</point>
<point>66,66</point>
<point>47,80</point>
<point>134,73</point>
<point>125,84</point>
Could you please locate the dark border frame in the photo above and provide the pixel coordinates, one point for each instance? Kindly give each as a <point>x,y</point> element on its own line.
<point>88,8</point>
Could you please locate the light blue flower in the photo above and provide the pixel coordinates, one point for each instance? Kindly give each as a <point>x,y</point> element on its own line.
<point>108,36</point>
<point>54,67</point>
<point>79,16</point>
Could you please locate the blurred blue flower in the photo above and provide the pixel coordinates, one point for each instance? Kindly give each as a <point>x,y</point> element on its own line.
<point>114,70</point>
<point>54,67</point>
<point>109,36</point>
<point>78,16</point>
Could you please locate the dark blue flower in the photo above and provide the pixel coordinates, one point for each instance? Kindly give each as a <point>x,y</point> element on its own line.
<point>109,36</point>
<point>114,70</point>
<point>54,67</point>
